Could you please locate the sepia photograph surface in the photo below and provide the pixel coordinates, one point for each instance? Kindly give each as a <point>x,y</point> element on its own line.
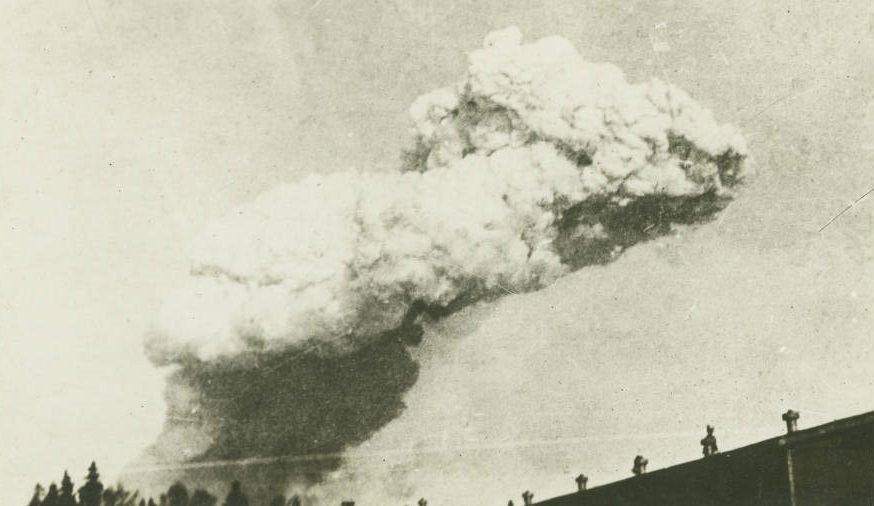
<point>466,253</point>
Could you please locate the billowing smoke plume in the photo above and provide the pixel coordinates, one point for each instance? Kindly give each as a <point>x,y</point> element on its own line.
<point>292,332</point>
<point>536,162</point>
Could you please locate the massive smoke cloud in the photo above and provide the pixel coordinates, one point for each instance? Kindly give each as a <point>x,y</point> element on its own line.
<point>291,335</point>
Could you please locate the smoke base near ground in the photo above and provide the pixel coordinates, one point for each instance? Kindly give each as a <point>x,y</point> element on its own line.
<point>291,338</point>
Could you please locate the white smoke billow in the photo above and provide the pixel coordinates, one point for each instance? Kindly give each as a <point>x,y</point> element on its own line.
<point>530,166</point>
<point>292,336</point>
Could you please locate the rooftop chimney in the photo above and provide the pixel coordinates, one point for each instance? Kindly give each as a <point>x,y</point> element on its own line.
<point>527,497</point>
<point>639,465</point>
<point>709,443</point>
<point>581,480</point>
<point>791,419</point>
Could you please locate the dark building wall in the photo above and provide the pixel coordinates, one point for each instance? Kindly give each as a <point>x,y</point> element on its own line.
<point>829,465</point>
<point>835,468</point>
<point>755,475</point>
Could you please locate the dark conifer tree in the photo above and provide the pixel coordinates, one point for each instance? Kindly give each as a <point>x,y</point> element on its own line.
<point>92,490</point>
<point>235,496</point>
<point>51,498</point>
<point>66,497</point>
<point>109,496</point>
<point>295,500</point>
<point>142,502</point>
<point>177,495</point>
<point>118,496</point>
<point>152,502</point>
<point>278,501</point>
<point>125,497</point>
<point>201,497</point>
<point>36,500</point>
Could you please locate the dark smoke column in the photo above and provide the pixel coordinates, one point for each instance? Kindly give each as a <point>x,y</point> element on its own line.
<point>291,337</point>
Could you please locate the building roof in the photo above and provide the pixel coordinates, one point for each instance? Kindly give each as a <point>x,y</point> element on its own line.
<point>749,453</point>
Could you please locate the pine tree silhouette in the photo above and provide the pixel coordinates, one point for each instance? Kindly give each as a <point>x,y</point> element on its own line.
<point>67,498</point>
<point>36,500</point>
<point>177,495</point>
<point>91,492</point>
<point>278,501</point>
<point>51,498</point>
<point>119,496</point>
<point>235,496</point>
<point>142,502</point>
<point>109,497</point>
<point>152,502</point>
<point>201,497</point>
<point>114,496</point>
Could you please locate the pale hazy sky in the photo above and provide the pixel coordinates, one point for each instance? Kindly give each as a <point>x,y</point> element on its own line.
<point>126,126</point>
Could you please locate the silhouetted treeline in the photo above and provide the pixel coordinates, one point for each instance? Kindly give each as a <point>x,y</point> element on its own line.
<point>93,493</point>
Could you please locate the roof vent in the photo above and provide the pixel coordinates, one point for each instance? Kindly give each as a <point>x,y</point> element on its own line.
<point>581,480</point>
<point>639,465</point>
<point>791,419</point>
<point>709,443</point>
<point>527,497</point>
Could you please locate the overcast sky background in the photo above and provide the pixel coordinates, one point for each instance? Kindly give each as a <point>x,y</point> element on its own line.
<point>126,126</point>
